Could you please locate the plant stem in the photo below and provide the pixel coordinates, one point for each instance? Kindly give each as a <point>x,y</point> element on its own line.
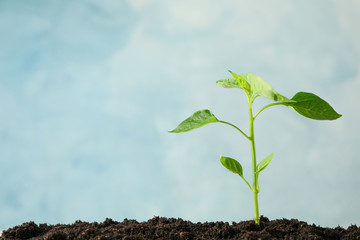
<point>235,128</point>
<point>255,188</point>
<point>269,105</point>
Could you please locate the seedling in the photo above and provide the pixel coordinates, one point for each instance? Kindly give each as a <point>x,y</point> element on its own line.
<point>306,104</point>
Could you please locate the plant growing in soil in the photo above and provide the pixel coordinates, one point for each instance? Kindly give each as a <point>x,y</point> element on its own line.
<point>306,104</point>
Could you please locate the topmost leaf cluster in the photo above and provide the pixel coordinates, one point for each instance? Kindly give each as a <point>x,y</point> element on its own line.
<point>307,104</point>
<point>252,85</point>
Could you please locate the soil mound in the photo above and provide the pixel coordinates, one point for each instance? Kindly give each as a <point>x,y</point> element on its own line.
<point>172,228</point>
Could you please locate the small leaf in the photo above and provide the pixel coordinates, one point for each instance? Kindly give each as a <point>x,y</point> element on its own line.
<point>259,86</point>
<point>264,163</point>
<point>229,82</point>
<point>232,165</point>
<point>236,81</point>
<point>244,85</point>
<point>198,119</point>
<point>311,106</point>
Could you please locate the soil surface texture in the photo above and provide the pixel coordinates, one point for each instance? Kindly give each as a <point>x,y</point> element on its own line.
<point>172,228</point>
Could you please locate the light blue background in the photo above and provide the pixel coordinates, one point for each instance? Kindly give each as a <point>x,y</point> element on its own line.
<point>89,89</point>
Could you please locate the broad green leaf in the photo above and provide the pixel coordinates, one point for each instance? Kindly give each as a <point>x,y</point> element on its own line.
<point>198,119</point>
<point>244,85</point>
<point>229,82</point>
<point>311,106</point>
<point>232,165</point>
<point>264,163</point>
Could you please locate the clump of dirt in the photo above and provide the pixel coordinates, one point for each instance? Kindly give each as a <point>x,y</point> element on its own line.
<point>172,228</point>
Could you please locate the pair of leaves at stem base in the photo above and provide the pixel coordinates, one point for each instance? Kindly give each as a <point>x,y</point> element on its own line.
<point>306,104</point>
<point>203,117</point>
<point>234,166</point>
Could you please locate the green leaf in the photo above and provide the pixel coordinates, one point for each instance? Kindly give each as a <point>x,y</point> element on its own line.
<point>198,119</point>
<point>264,163</point>
<point>229,82</point>
<point>260,87</point>
<point>244,85</point>
<point>236,81</point>
<point>311,106</point>
<point>232,165</point>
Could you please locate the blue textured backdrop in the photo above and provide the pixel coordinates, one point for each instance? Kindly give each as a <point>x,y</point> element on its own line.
<point>89,89</point>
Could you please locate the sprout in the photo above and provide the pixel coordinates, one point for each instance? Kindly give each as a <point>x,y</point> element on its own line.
<point>306,104</point>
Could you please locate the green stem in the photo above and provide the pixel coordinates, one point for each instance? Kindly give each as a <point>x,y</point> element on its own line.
<point>236,128</point>
<point>247,183</point>
<point>269,105</point>
<point>255,188</point>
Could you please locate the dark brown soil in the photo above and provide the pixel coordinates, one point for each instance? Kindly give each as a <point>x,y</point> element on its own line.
<point>171,228</point>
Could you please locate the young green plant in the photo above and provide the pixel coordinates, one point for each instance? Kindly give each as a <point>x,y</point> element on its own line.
<point>306,104</point>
